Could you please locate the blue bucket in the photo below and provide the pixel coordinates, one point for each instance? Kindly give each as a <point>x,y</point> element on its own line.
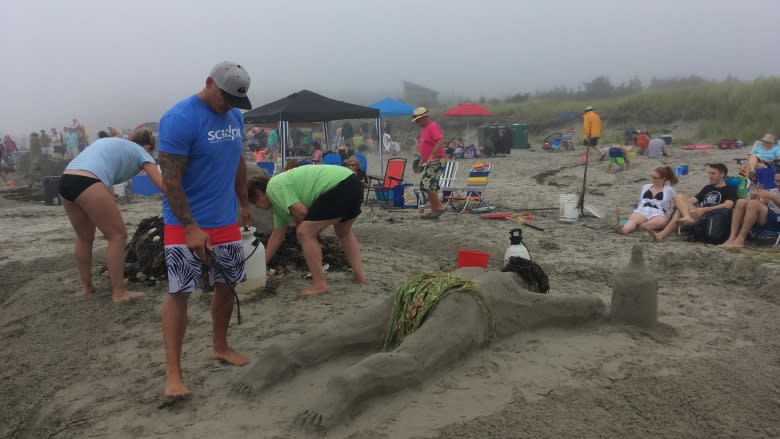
<point>681,170</point>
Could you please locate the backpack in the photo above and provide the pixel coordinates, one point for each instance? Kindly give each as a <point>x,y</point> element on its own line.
<point>713,228</point>
<point>470,152</point>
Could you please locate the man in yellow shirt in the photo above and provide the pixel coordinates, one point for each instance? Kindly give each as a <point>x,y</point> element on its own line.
<point>591,130</point>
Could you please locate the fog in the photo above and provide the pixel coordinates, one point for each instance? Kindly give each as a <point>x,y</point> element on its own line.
<point>121,63</point>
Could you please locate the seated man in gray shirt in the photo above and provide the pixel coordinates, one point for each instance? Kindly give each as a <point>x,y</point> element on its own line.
<point>657,148</point>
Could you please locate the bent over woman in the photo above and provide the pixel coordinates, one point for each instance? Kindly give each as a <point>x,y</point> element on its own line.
<point>85,192</point>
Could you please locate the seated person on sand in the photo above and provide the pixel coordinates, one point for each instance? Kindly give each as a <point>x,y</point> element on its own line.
<point>354,165</point>
<point>312,198</point>
<point>617,155</point>
<point>655,203</point>
<point>656,148</point>
<point>762,209</point>
<point>764,154</point>
<point>433,320</point>
<point>689,210</point>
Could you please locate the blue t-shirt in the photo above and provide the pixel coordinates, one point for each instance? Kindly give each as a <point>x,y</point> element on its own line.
<point>112,159</point>
<point>769,155</point>
<point>213,145</point>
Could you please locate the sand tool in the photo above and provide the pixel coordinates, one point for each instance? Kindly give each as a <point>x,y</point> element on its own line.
<point>520,219</point>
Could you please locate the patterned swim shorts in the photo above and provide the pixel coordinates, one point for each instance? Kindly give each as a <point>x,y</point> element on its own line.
<point>430,178</point>
<point>184,268</point>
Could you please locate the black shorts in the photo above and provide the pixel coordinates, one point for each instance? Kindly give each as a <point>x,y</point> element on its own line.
<point>343,201</point>
<point>71,186</point>
<point>594,141</point>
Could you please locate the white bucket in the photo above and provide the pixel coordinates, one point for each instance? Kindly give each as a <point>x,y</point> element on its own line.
<point>254,267</point>
<point>568,208</point>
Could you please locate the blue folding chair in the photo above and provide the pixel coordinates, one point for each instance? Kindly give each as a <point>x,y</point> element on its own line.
<point>268,167</point>
<point>363,161</point>
<point>331,158</point>
<point>142,185</point>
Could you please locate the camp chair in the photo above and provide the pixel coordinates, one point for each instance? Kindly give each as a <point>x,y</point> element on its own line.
<point>472,195</point>
<point>363,161</point>
<point>394,175</point>
<point>447,179</point>
<point>268,167</point>
<point>762,235</point>
<point>331,158</point>
<point>142,185</point>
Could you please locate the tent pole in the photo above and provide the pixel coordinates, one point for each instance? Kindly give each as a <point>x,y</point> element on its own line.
<point>581,202</point>
<point>378,124</point>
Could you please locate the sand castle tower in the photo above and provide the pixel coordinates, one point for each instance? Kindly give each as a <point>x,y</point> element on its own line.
<point>635,293</point>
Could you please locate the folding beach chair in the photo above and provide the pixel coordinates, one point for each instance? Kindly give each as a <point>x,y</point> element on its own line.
<point>363,161</point>
<point>448,178</point>
<point>332,158</point>
<point>762,236</point>
<point>472,195</point>
<point>394,175</point>
<point>268,167</point>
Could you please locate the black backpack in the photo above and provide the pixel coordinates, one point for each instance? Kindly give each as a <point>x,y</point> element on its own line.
<point>713,228</point>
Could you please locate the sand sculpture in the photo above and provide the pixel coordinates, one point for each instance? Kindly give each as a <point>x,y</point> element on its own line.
<point>455,327</point>
<point>635,293</point>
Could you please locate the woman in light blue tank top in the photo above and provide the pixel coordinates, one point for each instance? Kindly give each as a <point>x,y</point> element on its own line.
<point>85,193</point>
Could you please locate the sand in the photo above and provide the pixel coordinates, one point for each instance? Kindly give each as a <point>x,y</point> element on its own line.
<point>75,367</point>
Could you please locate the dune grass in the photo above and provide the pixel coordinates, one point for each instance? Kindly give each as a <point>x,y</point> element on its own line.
<point>735,110</point>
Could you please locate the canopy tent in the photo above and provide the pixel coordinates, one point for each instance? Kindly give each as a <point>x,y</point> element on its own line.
<point>389,107</point>
<point>307,106</point>
<point>468,110</point>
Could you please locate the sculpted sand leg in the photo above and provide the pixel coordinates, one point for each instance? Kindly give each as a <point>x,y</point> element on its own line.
<point>454,328</point>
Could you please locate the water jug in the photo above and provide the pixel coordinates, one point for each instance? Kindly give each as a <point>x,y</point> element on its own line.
<point>254,267</point>
<point>516,246</point>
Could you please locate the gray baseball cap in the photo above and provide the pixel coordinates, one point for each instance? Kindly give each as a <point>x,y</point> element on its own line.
<point>233,80</point>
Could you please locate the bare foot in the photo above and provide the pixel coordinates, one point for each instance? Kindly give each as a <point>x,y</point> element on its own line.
<point>126,295</point>
<point>310,421</point>
<point>230,356</point>
<point>359,279</point>
<point>686,222</point>
<point>272,368</point>
<point>619,229</point>
<point>86,291</point>
<point>732,245</point>
<point>175,388</point>
<point>655,235</point>
<point>313,290</point>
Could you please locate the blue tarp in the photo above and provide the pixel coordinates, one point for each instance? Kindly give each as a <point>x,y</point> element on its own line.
<point>389,107</point>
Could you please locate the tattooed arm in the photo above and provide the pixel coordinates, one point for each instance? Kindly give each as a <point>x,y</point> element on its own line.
<point>173,167</point>
<point>242,194</point>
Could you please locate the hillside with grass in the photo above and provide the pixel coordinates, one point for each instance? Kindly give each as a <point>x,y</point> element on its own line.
<point>708,111</point>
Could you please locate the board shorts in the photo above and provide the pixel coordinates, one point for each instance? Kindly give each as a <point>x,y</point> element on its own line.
<point>184,268</point>
<point>431,175</point>
<point>343,201</point>
<point>617,160</point>
<point>72,185</point>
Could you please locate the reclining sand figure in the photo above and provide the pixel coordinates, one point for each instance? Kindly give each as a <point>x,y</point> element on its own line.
<point>457,326</point>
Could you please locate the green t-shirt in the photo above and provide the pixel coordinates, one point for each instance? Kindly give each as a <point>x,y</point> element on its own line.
<point>303,184</point>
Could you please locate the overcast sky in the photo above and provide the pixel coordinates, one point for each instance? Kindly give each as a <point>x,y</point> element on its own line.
<point>123,62</point>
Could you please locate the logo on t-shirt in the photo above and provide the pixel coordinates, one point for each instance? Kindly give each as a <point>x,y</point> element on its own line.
<point>712,198</point>
<point>224,135</point>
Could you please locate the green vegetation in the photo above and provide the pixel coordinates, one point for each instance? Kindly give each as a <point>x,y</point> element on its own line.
<point>415,300</point>
<point>728,109</point>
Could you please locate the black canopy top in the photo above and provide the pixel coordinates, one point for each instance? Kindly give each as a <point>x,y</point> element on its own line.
<point>307,106</point>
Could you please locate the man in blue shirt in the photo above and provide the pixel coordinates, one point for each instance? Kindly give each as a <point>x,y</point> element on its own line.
<point>205,175</point>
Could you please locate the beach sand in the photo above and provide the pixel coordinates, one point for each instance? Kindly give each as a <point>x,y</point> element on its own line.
<point>85,367</point>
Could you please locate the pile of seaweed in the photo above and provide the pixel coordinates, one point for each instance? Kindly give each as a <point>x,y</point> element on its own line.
<point>289,258</point>
<point>534,278</point>
<point>145,254</point>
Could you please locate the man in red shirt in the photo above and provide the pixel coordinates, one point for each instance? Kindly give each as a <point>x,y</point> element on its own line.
<point>431,147</point>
